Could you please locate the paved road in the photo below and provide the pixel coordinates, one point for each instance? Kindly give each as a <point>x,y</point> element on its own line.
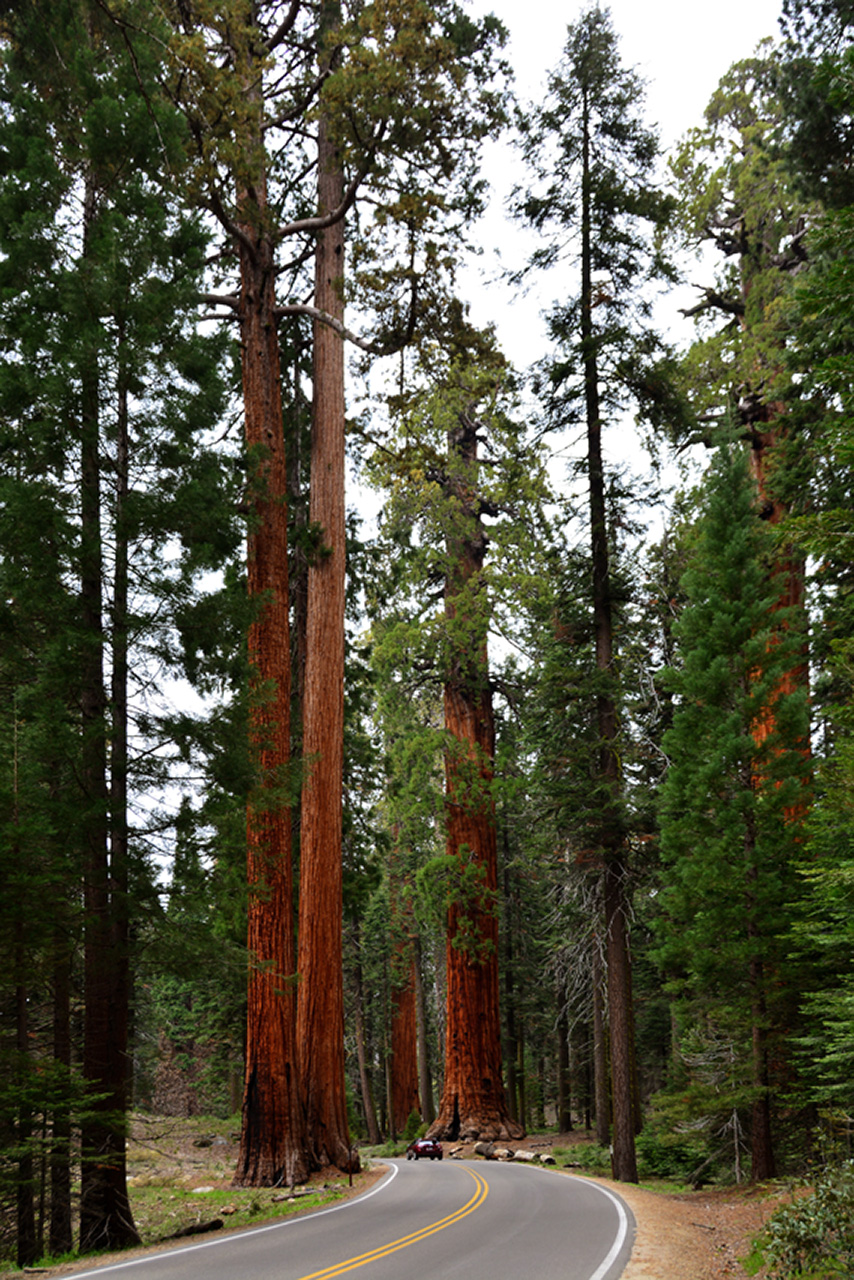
<point>454,1220</point>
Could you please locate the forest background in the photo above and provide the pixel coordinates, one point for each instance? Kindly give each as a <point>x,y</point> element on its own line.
<point>514,812</point>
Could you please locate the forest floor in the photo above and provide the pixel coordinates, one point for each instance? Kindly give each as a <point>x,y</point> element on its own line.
<point>180,1177</point>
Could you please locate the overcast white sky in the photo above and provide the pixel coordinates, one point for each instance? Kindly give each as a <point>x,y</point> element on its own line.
<point>681,50</point>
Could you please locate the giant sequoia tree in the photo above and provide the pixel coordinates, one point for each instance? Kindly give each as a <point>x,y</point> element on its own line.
<point>378,84</point>
<point>320,1018</point>
<point>473,1102</point>
<point>458,461</point>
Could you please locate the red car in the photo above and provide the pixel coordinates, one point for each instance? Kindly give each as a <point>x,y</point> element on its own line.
<point>424,1147</point>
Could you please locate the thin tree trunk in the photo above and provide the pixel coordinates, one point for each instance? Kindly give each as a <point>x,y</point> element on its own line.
<point>391,1127</point>
<point>540,1119</point>
<point>510,1001</point>
<point>616,925</point>
<point>60,1238</point>
<point>763,1164</point>
<point>564,1083</point>
<point>320,1015</point>
<point>601,1089</point>
<point>623,1158</point>
<point>27,1242</point>
<point>521,1074</point>
<point>425,1082</point>
<point>106,1221</point>
<point>362,1056</point>
<point>581,1067</point>
<point>118,819</point>
<point>404,1037</point>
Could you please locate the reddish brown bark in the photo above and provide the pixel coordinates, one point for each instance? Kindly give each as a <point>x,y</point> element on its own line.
<point>404,1053</point>
<point>473,1103</point>
<point>272,1144</point>
<point>425,1083</point>
<point>320,1017</point>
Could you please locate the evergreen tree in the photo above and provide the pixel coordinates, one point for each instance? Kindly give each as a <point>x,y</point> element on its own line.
<point>815,89</point>
<point>732,798</point>
<point>101,398</point>
<point>593,163</point>
<point>823,361</point>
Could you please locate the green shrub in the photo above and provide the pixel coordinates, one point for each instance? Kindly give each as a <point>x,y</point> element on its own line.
<point>676,1156</point>
<point>584,1155</point>
<point>814,1236</point>
<point>413,1128</point>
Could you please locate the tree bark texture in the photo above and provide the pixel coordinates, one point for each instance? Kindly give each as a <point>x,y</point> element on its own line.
<point>601,1087</point>
<point>473,1104</point>
<point>623,1157</point>
<point>425,1082</point>
<point>404,1053</point>
<point>564,1079</point>
<point>272,1142</point>
<point>510,994</point>
<point>365,1083</point>
<point>320,1017</point>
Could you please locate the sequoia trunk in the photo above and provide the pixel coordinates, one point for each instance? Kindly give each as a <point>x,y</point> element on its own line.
<point>320,1018</point>
<point>404,1055</point>
<point>473,1102</point>
<point>272,1142</point>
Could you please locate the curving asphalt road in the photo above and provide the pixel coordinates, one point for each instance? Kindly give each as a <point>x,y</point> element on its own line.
<point>426,1220</point>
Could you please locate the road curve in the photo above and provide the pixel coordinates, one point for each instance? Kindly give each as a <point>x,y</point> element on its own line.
<point>426,1220</point>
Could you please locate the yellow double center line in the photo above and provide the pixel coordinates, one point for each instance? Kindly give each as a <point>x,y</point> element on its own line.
<point>350,1265</point>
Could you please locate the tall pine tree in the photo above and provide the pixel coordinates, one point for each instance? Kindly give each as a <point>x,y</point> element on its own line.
<point>732,797</point>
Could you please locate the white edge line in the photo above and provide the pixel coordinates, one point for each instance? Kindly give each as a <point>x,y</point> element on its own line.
<point>622,1230</point>
<point>622,1217</point>
<point>234,1235</point>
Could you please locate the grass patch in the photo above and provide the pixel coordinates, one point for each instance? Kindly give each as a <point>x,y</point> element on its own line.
<point>386,1150</point>
<point>755,1260</point>
<point>588,1157</point>
<point>159,1213</point>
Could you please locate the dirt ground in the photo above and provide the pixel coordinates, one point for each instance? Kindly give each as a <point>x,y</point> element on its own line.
<point>701,1235</point>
